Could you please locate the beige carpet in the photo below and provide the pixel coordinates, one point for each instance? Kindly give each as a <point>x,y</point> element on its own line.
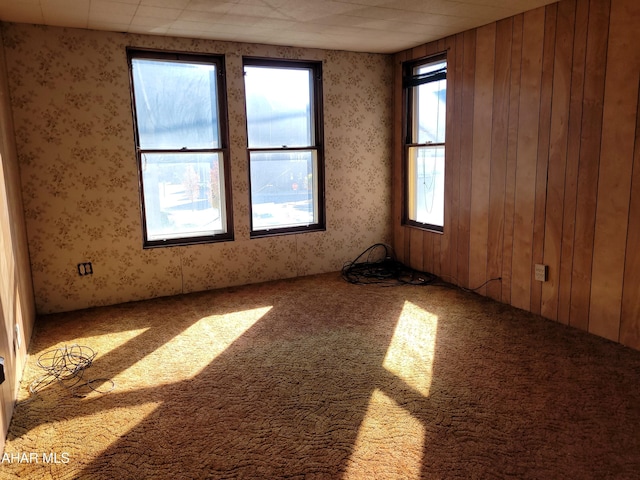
<point>315,378</point>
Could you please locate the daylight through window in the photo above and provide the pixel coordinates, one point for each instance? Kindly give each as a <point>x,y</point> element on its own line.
<point>284,134</point>
<point>181,143</point>
<point>425,84</point>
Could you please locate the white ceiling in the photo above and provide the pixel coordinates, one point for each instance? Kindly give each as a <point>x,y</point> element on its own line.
<point>381,26</point>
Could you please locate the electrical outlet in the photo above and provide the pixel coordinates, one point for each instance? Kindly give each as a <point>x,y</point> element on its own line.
<point>85,269</point>
<point>541,272</point>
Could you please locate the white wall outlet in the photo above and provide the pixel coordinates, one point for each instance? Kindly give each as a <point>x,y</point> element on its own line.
<point>541,272</point>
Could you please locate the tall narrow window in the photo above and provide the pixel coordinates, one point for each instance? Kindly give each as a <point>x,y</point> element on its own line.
<point>181,143</point>
<point>425,84</point>
<point>284,134</point>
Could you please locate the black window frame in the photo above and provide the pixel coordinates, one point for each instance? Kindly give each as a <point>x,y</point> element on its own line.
<point>410,80</point>
<point>318,146</point>
<point>222,149</point>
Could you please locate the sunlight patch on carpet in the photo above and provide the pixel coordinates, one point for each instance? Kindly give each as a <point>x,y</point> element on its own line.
<point>411,351</point>
<point>389,444</point>
<point>75,441</point>
<point>186,355</point>
<point>109,340</point>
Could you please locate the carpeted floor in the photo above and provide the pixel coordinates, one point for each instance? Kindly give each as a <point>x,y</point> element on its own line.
<point>315,378</point>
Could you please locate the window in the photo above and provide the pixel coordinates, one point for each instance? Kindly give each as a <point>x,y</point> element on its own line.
<point>425,85</point>
<point>284,135</point>
<point>181,143</point>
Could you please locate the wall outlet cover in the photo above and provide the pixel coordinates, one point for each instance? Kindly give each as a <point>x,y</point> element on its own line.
<point>541,272</point>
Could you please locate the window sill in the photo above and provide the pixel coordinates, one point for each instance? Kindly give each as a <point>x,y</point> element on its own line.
<point>424,227</point>
<point>286,231</point>
<point>182,242</point>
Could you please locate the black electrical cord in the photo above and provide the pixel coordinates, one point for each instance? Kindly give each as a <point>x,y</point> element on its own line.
<point>473,290</point>
<point>378,265</point>
<point>66,365</point>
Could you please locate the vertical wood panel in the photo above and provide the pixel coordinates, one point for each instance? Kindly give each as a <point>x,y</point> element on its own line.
<point>450,167</point>
<point>630,321</point>
<point>418,52</point>
<point>449,256</point>
<point>499,133</point>
<point>431,49</point>
<point>573,157</point>
<point>588,166</point>
<point>614,184</point>
<point>427,247</point>
<point>544,130</point>
<point>512,149</point>
<point>527,153</point>
<point>437,245</point>
<point>481,159</point>
<point>407,245</point>
<point>416,252</point>
<point>398,195</point>
<point>557,155</point>
<point>466,154</point>
<point>437,239</point>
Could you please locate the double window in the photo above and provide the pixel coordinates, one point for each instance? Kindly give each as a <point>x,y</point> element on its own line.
<point>425,85</point>
<point>180,119</point>
<point>284,135</point>
<point>182,147</point>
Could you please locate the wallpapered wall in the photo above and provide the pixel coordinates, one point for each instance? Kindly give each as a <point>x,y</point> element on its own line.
<point>74,134</point>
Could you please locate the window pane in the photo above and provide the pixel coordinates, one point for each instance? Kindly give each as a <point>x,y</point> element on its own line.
<point>278,106</point>
<point>430,107</point>
<point>283,189</point>
<point>183,195</point>
<point>426,185</point>
<point>176,104</point>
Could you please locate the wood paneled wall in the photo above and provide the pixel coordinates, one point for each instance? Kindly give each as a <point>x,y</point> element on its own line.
<point>17,307</point>
<point>542,165</point>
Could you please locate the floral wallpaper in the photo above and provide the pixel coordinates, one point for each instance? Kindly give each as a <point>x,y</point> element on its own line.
<point>73,125</point>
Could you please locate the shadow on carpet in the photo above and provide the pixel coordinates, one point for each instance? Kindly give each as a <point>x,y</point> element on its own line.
<point>315,378</point>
